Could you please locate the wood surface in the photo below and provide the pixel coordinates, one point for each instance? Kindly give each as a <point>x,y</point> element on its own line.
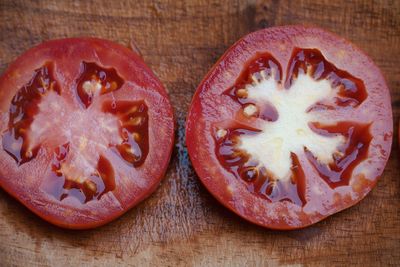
<point>181,224</point>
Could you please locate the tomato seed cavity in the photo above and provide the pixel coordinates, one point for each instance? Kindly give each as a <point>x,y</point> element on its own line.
<point>351,90</point>
<point>64,182</point>
<point>134,129</point>
<point>355,150</point>
<point>95,80</point>
<point>256,177</point>
<point>23,108</point>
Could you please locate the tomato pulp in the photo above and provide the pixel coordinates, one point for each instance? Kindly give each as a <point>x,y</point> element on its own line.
<point>87,131</point>
<point>291,125</point>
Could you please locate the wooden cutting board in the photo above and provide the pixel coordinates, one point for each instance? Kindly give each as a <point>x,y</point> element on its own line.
<point>181,224</point>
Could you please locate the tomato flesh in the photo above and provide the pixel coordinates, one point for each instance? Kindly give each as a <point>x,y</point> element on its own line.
<point>86,124</point>
<point>290,148</point>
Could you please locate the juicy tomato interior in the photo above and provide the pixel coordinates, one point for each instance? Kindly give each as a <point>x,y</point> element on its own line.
<point>90,133</point>
<point>351,92</point>
<point>289,137</point>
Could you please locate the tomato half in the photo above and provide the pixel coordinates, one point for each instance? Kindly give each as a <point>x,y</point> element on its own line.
<point>291,125</point>
<point>87,131</point>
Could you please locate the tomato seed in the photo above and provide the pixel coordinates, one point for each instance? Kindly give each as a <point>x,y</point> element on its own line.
<point>250,110</point>
<point>136,136</point>
<point>249,174</point>
<point>221,133</point>
<point>242,93</point>
<point>91,186</point>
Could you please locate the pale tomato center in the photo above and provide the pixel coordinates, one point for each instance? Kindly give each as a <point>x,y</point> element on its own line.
<point>290,133</point>
<point>89,132</point>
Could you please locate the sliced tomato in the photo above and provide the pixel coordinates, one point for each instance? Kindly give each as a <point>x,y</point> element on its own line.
<point>291,125</point>
<point>87,131</point>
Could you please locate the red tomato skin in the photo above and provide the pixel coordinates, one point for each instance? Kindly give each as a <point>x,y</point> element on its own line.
<point>134,70</point>
<point>280,41</point>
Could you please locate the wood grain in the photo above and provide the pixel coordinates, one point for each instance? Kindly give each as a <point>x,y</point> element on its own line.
<point>181,224</point>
